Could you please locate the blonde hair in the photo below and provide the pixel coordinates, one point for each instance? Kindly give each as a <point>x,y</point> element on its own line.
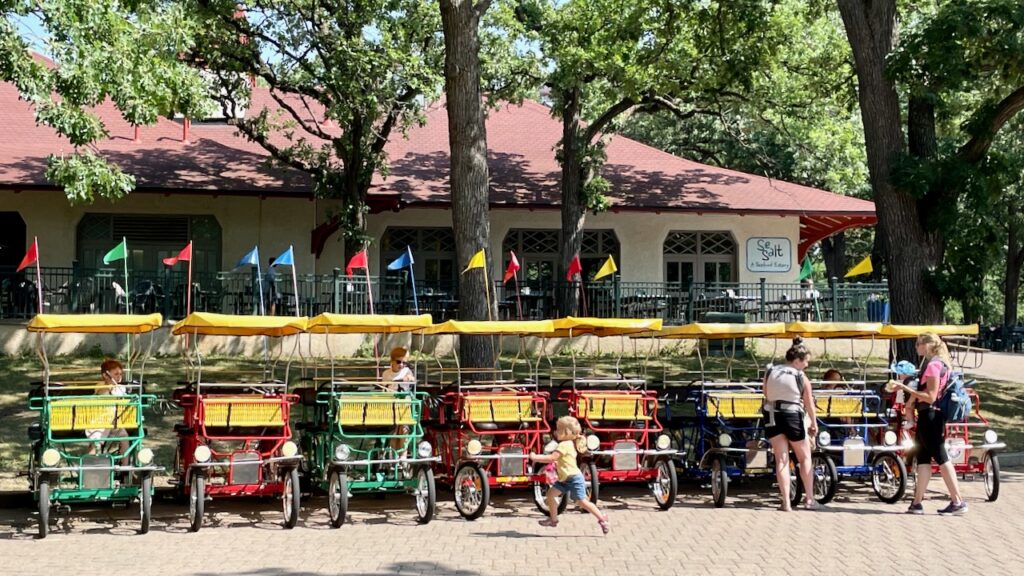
<point>568,428</point>
<point>936,348</point>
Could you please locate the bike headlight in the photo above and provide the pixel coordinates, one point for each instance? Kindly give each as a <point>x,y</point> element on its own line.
<point>889,438</point>
<point>474,447</point>
<point>202,454</point>
<point>342,452</point>
<point>724,440</point>
<point>593,442</point>
<point>289,449</point>
<point>424,449</point>
<point>550,447</point>
<point>991,437</point>
<point>824,438</point>
<point>50,457</point>
<point>663,442</point>
<point>145,457</point>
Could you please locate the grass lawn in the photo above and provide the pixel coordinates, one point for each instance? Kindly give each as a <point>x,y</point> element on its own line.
<point>1002,403</point>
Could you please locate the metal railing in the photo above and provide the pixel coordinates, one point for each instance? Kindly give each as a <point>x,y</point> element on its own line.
<point>85,290</point>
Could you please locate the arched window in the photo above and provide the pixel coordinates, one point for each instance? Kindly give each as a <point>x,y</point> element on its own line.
<point>151,238</point>
<point>433,251</point>
<point>699,257</point>
<point>537,251</point>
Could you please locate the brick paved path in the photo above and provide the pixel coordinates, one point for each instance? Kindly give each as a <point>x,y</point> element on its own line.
<point>856,535</point>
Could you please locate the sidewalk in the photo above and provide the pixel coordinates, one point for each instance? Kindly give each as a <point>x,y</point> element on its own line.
<point>1003,366</point>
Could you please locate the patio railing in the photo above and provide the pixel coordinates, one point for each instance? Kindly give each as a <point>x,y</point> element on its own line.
<point>84,290</point>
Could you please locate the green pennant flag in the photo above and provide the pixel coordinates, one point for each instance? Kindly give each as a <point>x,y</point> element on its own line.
<point>119,252</point>
<point>805,270</point>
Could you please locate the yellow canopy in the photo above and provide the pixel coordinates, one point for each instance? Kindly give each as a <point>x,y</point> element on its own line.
<point>832,329</point>
<point>329,323</point>
<point>900,331</point>
<point>713,331</point>
<point>492,327</point>
<point>96,323</point>
<point>210,324</point>
<point>602,327</point>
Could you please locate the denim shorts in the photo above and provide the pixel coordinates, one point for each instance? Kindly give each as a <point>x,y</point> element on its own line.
<point>575,486</point>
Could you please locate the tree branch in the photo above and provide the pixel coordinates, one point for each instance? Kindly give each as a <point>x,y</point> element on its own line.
<point>275,152</point>
<point>610,114</point>
<point>978,145</point>
<point>313,130</point>
<point>481,7</point>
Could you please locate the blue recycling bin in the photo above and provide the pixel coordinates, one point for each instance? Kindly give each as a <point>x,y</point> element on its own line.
<point>878,310</point>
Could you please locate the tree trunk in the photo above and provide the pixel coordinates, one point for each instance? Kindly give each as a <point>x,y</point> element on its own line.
<point>467,139</point>
<point>910,250</point>
<point>574,212</point>
<point>1014,263</point>
<point>833,249</point>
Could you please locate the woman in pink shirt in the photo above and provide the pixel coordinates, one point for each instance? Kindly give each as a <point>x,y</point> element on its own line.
<point>931,424</point>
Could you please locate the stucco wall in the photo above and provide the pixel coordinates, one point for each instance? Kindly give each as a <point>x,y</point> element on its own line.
<point>274,223</point>
<point>641,235</point>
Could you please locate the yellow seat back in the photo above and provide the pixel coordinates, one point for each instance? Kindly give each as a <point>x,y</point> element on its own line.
<point>828,406</point>
<point>243,411</point>
<point>622,407</point>
<point>735,404</point>
<point>374,410</point>
<point>93,413</point>
<point>498,409</point>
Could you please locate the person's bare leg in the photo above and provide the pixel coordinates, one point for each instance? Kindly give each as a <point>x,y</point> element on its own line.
<point>803,454</point>
<point>949,477</point>
<point>552,495</point>
<point>924,475</point>
<point>590,507</point>
<point>781,449</point>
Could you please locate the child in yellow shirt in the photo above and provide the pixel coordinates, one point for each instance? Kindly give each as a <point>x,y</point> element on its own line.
<point>570,479</point>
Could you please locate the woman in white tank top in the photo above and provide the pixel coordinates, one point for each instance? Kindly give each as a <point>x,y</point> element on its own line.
<point>787,400</point>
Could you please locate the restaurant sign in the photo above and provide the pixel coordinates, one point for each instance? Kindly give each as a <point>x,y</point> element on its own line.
<point>769,255</point>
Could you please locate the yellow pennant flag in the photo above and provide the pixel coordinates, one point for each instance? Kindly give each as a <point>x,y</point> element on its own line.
<point>477,261</point>
<point>864,267</point>
<point>607,268</point>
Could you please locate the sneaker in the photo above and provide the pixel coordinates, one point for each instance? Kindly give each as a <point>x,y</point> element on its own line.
<point>915,509</point>
<point>813,505</point>
<point>955,509</point>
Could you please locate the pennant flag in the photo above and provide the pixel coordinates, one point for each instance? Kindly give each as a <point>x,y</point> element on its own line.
<point>805,270</point>
<point>287,258</point>
<point>185,255</point>
<point>357,261</point>
<point>864,267</point>
<point>477,261</point>
<point>513,267</point>
<point>403,261</point>
<point>30,257</point>
<point>607,268</point>
<point>574,268</point>
<point>119,252</point>
<point>250,259</point>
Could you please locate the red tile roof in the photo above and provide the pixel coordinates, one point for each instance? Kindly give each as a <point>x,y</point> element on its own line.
<point>521,139</point>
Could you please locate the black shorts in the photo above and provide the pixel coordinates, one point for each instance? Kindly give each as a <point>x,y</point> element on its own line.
<point>789,423</point>
<point>931,436</point>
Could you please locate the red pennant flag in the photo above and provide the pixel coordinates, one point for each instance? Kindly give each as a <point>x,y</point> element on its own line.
<point>513,267</point>
<point>357,261</point>
<point>30,257</point>
<point>574,268</point>
<point>185,255</point>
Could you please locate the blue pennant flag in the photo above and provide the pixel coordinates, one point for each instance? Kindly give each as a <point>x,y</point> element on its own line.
<point>250,259</point>
<point>403,261</point>
<point>287,258</point>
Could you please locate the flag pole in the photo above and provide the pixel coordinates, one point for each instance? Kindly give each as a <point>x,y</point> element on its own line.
<point>124,242</point>
<point>295,283</point>
<point>583,294</point>
<point>39,276</point>
<point>259,283</point>
<point>369,288</point>
<point>188,297</point>
<point>519,302</point>
<point>412,276</point>
<point>487,288</point>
